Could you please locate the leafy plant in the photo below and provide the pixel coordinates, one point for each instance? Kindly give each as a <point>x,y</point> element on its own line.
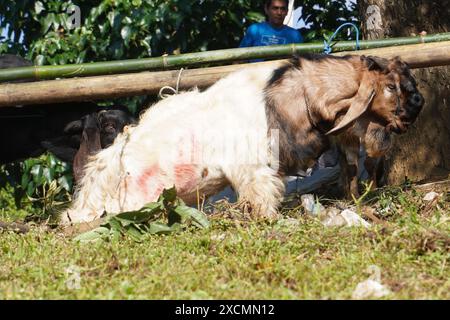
<point>46,182</point>
<point>148,220</point>
<point>359,201</point>
<point>323,17</point>
<point>124,29</point>
<point>120,29</point>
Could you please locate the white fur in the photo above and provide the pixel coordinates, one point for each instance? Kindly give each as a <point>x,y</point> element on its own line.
<point>217,137</point>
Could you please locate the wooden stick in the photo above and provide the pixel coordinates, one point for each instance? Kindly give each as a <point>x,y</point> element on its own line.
<point>76,229</point>
<point>436,184</point>
<point>115,86</point>
<point>14,226</point>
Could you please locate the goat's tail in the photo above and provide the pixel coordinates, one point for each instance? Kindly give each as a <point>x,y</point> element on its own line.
<point>99,188</point>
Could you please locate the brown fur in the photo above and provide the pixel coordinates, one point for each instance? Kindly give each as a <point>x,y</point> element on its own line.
<point>358,97</point>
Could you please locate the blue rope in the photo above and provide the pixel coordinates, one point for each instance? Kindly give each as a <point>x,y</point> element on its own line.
<point>327,44</point>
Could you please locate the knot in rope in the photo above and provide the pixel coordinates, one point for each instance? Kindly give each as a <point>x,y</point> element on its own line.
<point>163,95</point>
<point>327,44</point>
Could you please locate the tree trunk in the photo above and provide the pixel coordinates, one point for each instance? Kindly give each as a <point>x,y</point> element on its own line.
<point>423,153</point>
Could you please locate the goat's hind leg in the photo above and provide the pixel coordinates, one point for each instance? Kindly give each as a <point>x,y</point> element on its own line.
<point>260,187</point>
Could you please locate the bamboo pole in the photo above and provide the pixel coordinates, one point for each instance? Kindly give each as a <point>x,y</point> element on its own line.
<point>114,86</point>
<point>200,58</point>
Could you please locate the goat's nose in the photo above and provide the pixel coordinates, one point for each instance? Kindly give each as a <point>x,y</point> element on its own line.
<point>417,99</point>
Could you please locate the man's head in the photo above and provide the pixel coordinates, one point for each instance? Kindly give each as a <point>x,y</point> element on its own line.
<point>276,11</point>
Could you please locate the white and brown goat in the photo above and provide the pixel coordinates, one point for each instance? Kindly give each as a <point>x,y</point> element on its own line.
<point>248,130</point>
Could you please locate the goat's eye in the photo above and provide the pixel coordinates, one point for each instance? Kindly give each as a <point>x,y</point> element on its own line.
<point>391,87</point>
<point>109,128</point>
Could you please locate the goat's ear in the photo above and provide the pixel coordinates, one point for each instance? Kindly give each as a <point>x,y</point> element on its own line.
<point>358,106</point>
<point>74,127</point>
<point>376,63</point>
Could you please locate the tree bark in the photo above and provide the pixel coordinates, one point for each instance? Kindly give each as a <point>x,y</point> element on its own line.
<point>423,153</point>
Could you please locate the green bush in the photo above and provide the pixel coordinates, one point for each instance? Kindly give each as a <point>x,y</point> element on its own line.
<point>44,183</point>
<point>125,29</point>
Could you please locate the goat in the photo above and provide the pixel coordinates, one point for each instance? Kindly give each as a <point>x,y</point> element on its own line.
<point>377,137</point>
<point>98,131</point>
<point>248,130</point>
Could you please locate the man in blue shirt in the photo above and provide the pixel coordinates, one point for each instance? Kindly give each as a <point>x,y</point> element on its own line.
<point>272,31</point>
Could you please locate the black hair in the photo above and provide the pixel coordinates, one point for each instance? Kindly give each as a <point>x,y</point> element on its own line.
<point>267,3</point>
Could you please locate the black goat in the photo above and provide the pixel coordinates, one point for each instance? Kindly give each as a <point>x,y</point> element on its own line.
<point>95,131</point>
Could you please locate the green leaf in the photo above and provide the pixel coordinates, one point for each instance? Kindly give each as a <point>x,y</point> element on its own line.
<point>256,16</point>
<point>51,160</point>
<point>174,217</point>
<point>146,43</point>
<point>37,172</point>
<point>48,174</point>
<point>133,232</point>
<point>234,18</point>
<point>115,224</point>
<point>198,217</point>
<point>39,60</point>
<point>114,235</point>
<point>168,195</point>
<point>28,164</point>
<point>38,7</point>
<point>146,213</point>
<point>25,180</point>
<point>31,189</point>
<point>126,33</point>
<point>93,235</point>
<point>65,182</point>
<point>161,228</point>
<point>112,15</point>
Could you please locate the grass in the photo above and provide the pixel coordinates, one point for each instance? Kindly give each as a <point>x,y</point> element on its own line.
<point>294,258</point>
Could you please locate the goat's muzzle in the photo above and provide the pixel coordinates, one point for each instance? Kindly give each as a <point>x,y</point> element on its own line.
<point>407,114</point>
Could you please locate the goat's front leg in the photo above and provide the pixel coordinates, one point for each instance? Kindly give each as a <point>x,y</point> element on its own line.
<point>260,187</point>
<point>375,169</point>
<point>349,169</point>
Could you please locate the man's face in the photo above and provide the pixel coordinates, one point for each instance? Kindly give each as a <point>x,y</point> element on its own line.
<point>277,11</point>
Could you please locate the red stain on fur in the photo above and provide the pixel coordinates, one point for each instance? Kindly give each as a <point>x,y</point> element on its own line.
<point>185,177</point>
<point>156,193</point>
<point>151,172</point>
<point>150,183</point>
<point>186,173</point>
